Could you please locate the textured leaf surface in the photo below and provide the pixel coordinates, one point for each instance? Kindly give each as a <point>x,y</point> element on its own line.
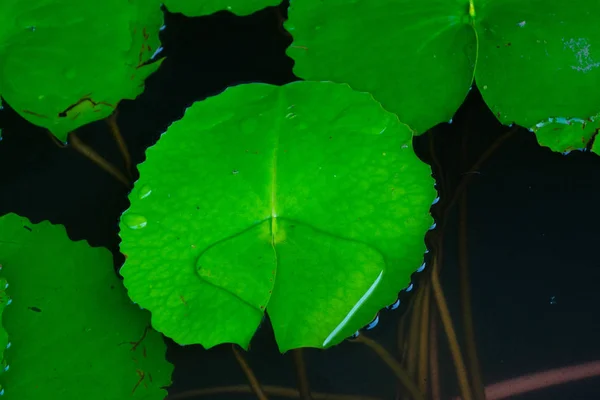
<point>195,8</point>
<point>305,200</point>
<point>65,64</point>
<point>533,60</point>
<point>74,333</point>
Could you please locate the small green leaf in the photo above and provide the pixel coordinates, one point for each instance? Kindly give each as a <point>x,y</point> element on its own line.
<point>74,333</point>
<point>195,8</point>
<point>92,58</point>
<point>565,135</point>
<point>305,200</point>
<point>539,59</point>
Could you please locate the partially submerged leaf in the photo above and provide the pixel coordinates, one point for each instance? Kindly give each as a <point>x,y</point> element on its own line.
<point>65,64</point>
<point>565,135</point>
<point>538,59</point>
<point>196,8</point>
<point>74,333</point>
<point>305,200</point>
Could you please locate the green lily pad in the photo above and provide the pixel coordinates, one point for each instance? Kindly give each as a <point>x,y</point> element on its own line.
<point>92,58</point>
<point>533,60</point>
<point>74,333</point>
<point>538,59</point>
<point>306,201</point>
<point>416,57</point>
<point>195,8</point>
<point>565,135</point>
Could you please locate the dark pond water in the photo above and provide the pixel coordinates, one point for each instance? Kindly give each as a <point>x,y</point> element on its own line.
<point>532,226</point>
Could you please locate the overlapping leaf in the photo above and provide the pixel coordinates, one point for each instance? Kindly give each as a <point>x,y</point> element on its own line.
<point>65,63</point>
<point>305,201</point>
<point>533,60</point>
<point>74,333</point>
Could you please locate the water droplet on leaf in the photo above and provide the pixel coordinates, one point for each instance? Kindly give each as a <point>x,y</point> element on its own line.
<point>144,192</point>
<point>135,221</point>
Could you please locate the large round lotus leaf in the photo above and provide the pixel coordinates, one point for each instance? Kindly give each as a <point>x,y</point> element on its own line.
<point>74,334</point>
<point>197,8</point>
<point>533,59</point>
<point>415,57</point>
<point>305,200</point>
<point>64,63</point>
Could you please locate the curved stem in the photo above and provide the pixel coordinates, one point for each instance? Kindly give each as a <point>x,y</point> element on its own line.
<point>540,380</point>
<point>254,384</point>
<point>450,333</point>
<point>474,169</point>
<point>91,154</point>
<point>116,134</point>
<point>272,390</point>
<point>393,364</point>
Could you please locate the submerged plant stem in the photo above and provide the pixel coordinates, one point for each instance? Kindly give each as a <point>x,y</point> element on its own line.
<point>303,385</point>
<point>272,390</point>
<point>97,159</point>
<point>540,380</point>
<point>467,177</point>
<point>393,364</point>
<point>465,302</point>
<point>414,334</point>
<point>459,364</point>
<point>254,384</point>
<point>116,134</point>
<point>434,372</point>
<point>424,340</point>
